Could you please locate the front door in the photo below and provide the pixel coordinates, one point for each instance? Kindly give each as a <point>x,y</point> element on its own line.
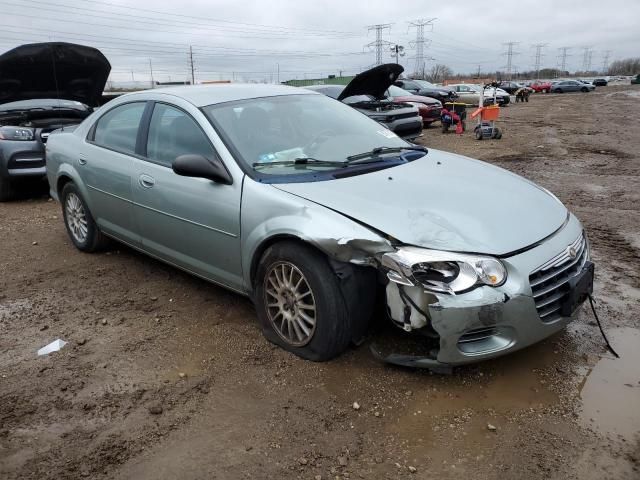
<point>193,223</point>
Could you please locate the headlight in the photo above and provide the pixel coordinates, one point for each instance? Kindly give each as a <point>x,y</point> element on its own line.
<point>16,133</point>
<point>442,272</point>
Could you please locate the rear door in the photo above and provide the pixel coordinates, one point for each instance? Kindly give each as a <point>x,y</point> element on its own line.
<point>106,167</point>
<point>193,223</point>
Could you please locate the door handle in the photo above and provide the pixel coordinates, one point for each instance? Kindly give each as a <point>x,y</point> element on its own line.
<point>82,161</point>
<point>146,181</point>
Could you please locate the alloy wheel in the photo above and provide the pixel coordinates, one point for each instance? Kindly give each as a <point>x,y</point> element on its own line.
<point>76,218</point>
<point>290,303</point>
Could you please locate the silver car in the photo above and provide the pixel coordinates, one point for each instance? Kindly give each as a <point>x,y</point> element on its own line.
<point>311,208</point>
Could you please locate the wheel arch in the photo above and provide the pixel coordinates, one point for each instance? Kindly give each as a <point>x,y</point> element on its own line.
<point>268,242</point>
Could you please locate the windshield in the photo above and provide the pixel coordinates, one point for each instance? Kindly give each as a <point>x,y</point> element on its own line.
<point>280,129</point>
<point>398,92</point>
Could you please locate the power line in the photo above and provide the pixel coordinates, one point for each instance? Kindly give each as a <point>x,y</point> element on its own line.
<point>510,53</point>
<point>420,43</point>
<point>146,19</point>
<point>172,14</point>
<point>378,43</point>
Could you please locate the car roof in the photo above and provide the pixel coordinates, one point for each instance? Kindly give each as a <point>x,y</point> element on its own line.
<point>202,95</point>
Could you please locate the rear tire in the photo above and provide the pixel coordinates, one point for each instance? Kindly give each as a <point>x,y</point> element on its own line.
<point>299,302</point>
<point>81,226</point>
<point>558,90</point>
<point>6,190</point>
<point>478,133</point>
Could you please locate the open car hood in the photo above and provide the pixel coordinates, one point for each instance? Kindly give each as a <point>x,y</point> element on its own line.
<point>53,70</point>
<point>373,82</point>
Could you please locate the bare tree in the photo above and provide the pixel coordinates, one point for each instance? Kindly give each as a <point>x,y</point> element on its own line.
<point>628,66</point>
<point>439,73</point>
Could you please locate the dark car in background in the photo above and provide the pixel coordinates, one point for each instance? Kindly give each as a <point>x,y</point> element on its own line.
<point>600,82</point>
<point>367,94</point>
<point>428,108</point>
<point>43,87</point>
<point>427,89</point>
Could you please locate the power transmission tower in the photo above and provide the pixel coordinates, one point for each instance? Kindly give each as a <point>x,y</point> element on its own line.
<point>586,58</point>
<point>539,55</point>
<point>605,61</point>
<point>378,43</point>
<point>193,75</point>
<point>510,53</point>
<point>563,57</point>
<point>420,43</point>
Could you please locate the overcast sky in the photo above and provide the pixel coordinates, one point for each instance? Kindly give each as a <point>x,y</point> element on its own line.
<point>250,40</point>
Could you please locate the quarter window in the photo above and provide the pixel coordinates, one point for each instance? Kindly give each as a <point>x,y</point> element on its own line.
<point>173,133</point>
<point>118,128</point>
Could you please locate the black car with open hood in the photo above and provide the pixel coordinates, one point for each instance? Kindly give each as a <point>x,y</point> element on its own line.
<point>43,87</point>
<point>366,93</point>
<point>53,70</point>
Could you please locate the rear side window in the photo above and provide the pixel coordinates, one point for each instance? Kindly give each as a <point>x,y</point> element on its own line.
<point>173,133</point>
<point>118,128</point>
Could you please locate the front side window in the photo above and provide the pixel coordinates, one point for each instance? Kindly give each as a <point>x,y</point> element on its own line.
<point>172,133</point>
<point>118,128</point>
<point>269,134</point>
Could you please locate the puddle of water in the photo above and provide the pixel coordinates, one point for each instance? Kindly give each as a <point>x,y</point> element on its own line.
<point>611,392</point>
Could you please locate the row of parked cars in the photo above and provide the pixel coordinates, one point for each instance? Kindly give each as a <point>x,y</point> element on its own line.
<point>314,211</point>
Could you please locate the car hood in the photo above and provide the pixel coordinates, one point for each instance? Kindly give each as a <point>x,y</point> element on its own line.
<point>373,82</point>
<point>53,70</point>
<point>417,99</point>
<point>444,201</point>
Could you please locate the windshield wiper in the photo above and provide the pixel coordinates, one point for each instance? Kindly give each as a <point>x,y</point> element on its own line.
<point>301,161</point>
<point>382,150</point>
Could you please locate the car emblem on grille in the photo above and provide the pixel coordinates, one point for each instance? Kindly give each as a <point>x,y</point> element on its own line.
<point>572,252</point>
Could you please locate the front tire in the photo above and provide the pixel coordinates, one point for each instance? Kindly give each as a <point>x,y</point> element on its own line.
<point>584,89</point>
<point>299,302</point>
<point>81,226</point>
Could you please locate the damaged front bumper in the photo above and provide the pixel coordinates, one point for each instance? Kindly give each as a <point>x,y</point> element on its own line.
<point>487,321</point>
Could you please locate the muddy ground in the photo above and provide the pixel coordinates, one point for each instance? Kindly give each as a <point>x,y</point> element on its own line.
<point>166,376</point>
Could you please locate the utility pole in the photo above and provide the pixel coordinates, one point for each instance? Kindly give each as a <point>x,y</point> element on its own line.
<point>278,73</point>
<point>539,55</point>
<point>378,43</point>
<point>563,57</point>
<point>153,84</point>
<point>193,75</point>
<point>132,76</point>
<point>420,43</point>
<point>605,61</point>
<point>510,53</point>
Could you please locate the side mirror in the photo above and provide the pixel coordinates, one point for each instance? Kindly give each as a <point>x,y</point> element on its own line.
<point>193,165</point>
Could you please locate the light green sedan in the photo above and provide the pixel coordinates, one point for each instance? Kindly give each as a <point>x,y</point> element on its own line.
<point>313,210</point>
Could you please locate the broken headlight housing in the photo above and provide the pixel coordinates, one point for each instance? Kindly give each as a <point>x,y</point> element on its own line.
<point>16,133</point>
<point>443,272</point>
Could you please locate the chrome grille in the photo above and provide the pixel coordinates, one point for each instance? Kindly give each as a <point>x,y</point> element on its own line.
<point>549,282</point>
